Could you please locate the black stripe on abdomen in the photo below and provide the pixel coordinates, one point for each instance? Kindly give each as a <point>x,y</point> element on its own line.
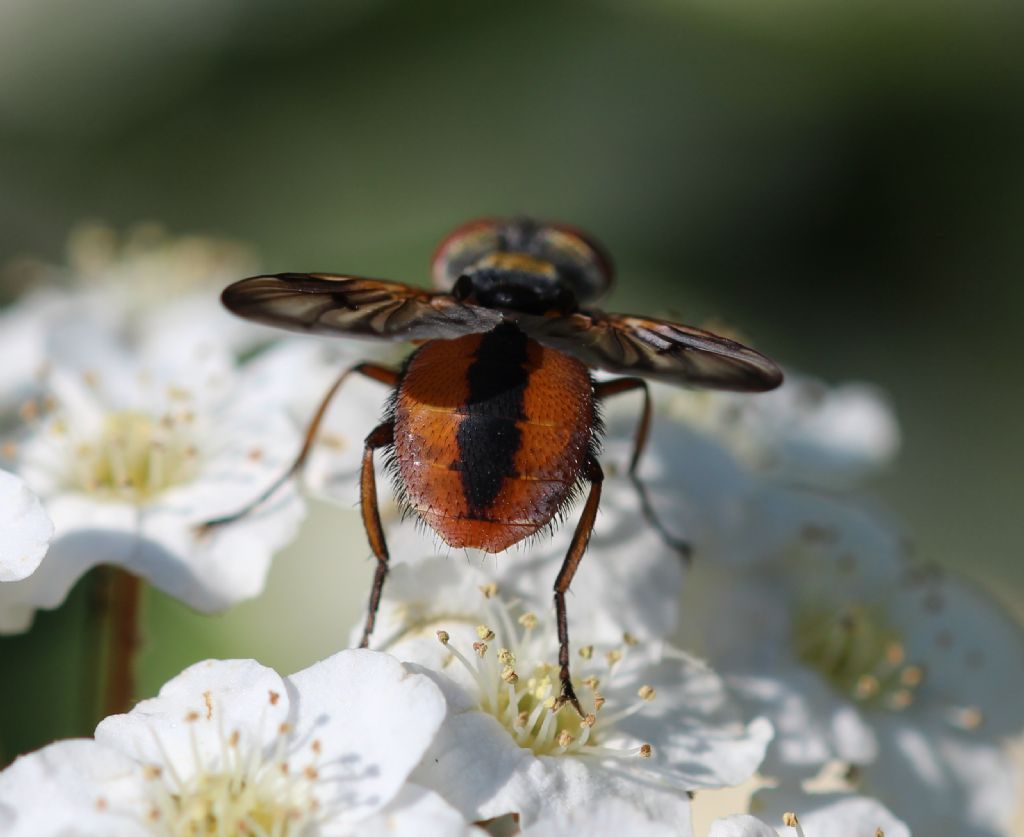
<point>488,437</point>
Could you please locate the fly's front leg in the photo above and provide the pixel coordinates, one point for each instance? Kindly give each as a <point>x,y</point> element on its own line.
<point>382,436</point>
<point>620,385</point>
<point>580,539</point>
<point>370,370</point>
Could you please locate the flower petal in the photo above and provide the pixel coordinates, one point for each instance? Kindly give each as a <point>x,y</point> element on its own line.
<point>373,718</point>
<point>25,529</point>
<point>72,787</point>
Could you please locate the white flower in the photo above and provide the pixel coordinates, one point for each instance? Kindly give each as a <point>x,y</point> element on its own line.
<point>811,815</point>
<point>134,454</point>
<point>657,726</point>
<point>231,747</point>
<point>146,290</point>
<point>802,432</point>
<point>860,654</point>
<point>25,529</point>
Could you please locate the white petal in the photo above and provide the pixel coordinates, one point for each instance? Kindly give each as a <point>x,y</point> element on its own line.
<point>831,814</point>
<point>940,781</point>
<point>813,724</point>
<point>740,825</point>
<point>72,787</point>
<point>374,720</point>
<point>416,812</point>
<point>186,726</point>
<point>606,818</point>
<point>25,529</point>
<point>699,736</point>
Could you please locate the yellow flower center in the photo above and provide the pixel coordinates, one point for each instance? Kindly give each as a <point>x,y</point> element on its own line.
<point>859,653</point>
<point>134,458</point>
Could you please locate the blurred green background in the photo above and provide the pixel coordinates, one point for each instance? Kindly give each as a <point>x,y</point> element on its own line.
<point>843,182</point>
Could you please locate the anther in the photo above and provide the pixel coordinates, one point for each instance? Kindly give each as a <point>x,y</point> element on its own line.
<point>591,682</point>
<point>484,633</point>
<point>867,686</point>
<point>506,657</point>
<point>480,648</point>
<point>443,637</point>
<point>29,410</point>
<point>790,819</point>
<point>586,652</point>
<point>564,738</point>
<point>629,639</point>
<point>894,653</point>
<point>647,692</point>
<point>589,720</point>
<point>598,702</point>
<point>613,657</point>
<point>912,676</point>
<point>489,590</point>
<point>970,717</point>
<point>192,716</point>
<point>902,698</point>
<point>528,621</point>
<point>646,751</point>
<point>274,698</point>
<point>508,674</point>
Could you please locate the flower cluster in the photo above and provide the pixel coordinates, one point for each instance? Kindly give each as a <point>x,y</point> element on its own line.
<point>804,655</point>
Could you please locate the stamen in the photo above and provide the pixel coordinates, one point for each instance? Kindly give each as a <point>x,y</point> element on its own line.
<point>790,819</point>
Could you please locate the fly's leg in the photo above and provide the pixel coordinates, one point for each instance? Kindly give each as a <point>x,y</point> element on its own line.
<point>615,387</point>
<point>578,546</point>
<point>370,370</point>
<point>382,436</point>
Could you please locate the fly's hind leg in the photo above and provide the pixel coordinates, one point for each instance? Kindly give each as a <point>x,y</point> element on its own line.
<point>382,436</point>
<point>620,385</point>
<point>370,370</point>
<point>578,546</point>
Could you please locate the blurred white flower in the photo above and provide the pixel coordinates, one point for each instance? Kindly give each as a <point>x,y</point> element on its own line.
<point>811,815</point>
<point>656,727</point>
<point>231,747</point>
<point>146,290</point>
<point>133,453</point>
<point>25,529</point>
<point>805,432</point>
<point>860,654</point>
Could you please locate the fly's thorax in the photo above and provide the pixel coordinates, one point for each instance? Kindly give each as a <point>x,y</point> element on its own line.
<point>491,433</point>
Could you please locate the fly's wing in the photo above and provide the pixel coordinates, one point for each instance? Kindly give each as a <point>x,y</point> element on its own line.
<point>322,303</point>
<point>658,349</point>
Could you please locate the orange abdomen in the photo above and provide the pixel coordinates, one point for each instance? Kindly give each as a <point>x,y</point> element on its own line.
<point>491,431</point>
